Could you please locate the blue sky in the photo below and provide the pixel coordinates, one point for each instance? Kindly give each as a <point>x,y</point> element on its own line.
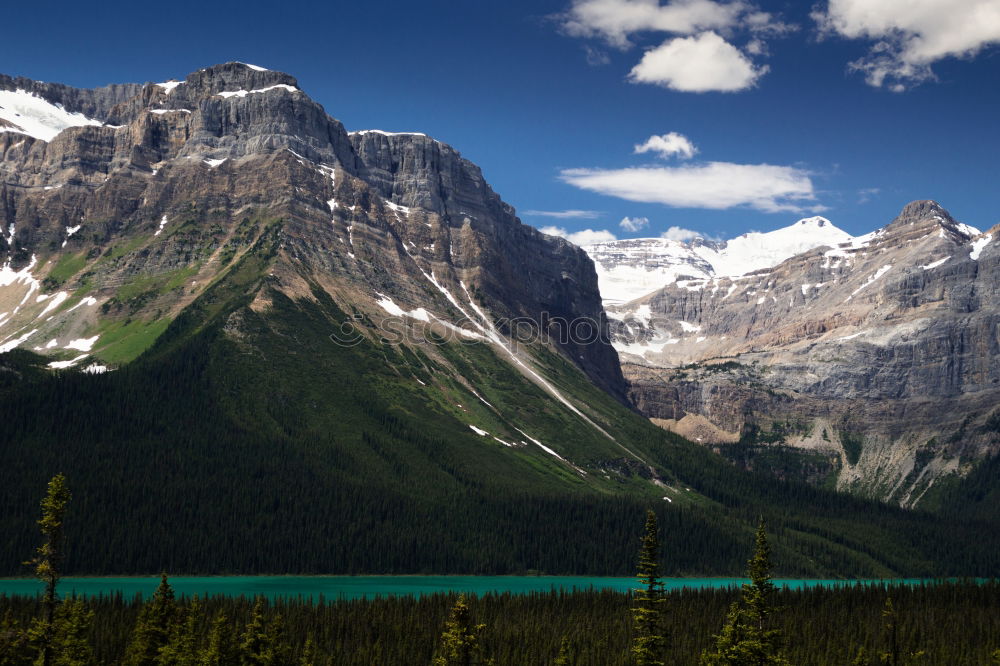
<point>551,98</point>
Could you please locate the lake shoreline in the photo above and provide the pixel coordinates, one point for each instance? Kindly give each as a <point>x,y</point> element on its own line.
<point>333,588</point>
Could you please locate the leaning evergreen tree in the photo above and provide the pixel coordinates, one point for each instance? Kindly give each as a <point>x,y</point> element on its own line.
<point>747,638</point>
<point>459,644</point>
<point>649,642</point>
<point>48,565</point>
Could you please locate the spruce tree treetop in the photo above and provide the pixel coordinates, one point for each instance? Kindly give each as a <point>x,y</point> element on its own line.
<point>759,593</point>
<point>747,637</point>
<point>48,563</point>
<point>649,641</point>
<point>459,644</point>
<point>49,557</point>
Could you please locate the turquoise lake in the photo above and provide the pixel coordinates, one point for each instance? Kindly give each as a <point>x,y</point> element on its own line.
<point>357,587</point>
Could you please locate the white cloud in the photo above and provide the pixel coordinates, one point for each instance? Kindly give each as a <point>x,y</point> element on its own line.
<point>713,185</point>
<point>911,35</point>
<point>615,20</point>
<point>585,237</point>
<point>680,234</point>
<point>668,145</point>
<point>696,58</point>
<point>564,214</point>
<point>634,223</point>
<point>703,63</point>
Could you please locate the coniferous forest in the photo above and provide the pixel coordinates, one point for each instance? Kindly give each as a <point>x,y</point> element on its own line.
<point>946,622</point>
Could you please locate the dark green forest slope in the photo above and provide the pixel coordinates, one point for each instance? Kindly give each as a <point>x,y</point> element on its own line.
<point>246,441</point>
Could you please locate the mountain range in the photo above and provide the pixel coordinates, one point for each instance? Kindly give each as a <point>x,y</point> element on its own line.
<point>257,342</point>
<point>867,363</point>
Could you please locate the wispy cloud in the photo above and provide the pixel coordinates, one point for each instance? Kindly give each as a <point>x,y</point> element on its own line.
<point>634,224</point>
<point>667,145</point>
<point>713,185</point>
<point>867,194</point>
<point>564,214</point>
<point>584,237</point>
<point>911,35</point>
<point>615,21</point>
<point>596,57</point>
<point>681,234</point>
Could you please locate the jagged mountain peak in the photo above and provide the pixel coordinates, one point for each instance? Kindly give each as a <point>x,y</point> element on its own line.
<point>232,77</point>
<point>922,209</point>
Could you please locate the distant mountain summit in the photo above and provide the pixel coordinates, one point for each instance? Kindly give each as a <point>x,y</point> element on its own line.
<point>628,269</point>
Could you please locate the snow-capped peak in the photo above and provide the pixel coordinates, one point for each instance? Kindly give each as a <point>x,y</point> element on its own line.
<point>37,117</point>
<point>753,251</point>
<point>815,221</point>
<point>630,268</point>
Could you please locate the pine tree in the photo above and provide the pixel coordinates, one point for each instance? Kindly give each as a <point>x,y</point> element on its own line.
<point>890,634</point>
<point>564,658</point>
<point>310,656</point>
<point>459,644</point>
<point>893,655</point>
<point>154,627</point>
<point>263,644</point>
<point>746,638</point>
<point>221,650</point>
<point>182,646</point>
<point>14,646</point>
<point>649,642</point>
<point>70,635</point>
<point>48,564</point>
<point>281,651</point>
<point>861,658</point>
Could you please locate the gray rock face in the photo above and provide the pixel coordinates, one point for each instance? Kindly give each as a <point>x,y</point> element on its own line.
<point>365,215</point>
<point>887,344</point>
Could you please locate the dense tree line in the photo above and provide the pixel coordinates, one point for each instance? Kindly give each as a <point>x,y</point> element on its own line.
<point>941,623</point>
<point>951,623</point>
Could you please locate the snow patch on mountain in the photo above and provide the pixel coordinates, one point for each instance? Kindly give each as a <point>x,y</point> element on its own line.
<point>244,93</point>
<point>37,117</point>
<point>978,245</point>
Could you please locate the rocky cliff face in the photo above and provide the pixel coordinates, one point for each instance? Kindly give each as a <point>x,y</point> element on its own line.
<point>877,356</point>
<point>120,205</point>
